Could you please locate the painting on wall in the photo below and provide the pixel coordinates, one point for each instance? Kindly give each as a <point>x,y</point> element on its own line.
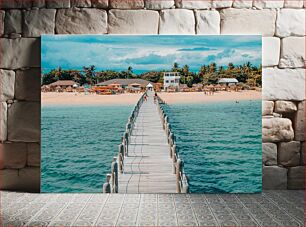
<point>151,114</point>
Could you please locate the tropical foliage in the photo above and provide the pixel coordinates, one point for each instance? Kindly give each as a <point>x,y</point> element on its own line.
<point>207,74</point>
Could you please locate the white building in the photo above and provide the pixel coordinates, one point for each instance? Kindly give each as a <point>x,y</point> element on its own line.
<point>171,79</point>
<point>228,81</point>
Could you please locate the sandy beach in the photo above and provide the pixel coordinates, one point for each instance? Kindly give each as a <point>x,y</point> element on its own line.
<point>67,98</point>
<point>53,98</point>
<point>199,97</point>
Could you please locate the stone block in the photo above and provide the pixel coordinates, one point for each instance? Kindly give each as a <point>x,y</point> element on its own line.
<point>274,178</point>
<point>242,4</point>
<point>13,21</point>
<point>269,154</point>
<point>13,155</point>
<point>126,4</point>
<point>192,4</point>
<point>81,21</point>
<point>293,4</point>
<point>2,15</point>
<point>289,154</point>
<point>296,177</point>
<point>262,4</point>
<point>102,4</point>
<point>27,85</point>
<point>20,53</point>
<point>153,4</point>
<point>33,154</point>
<point>3,121</point>
<point>248,21</point>
<point>270,51</point>
<point>267,108</point>
<point>283,84</point>
<point>7,85</point>
<point>39,22</point>
<point>39,3</point>
<point>290,22</point>
<point>55,4</point>
<point>285,107</point>
<point>24,122</point>
<point>25,180</point>
<point>303,155</point>
<point>299,122</point>
<point>293,52</point>
<point>15,4</point>
<point>80,3</point>
<point>208,22</point>
<point>178,21</point>
<point>222,3</point>
<point>277,130</point>
<point>139,22</point>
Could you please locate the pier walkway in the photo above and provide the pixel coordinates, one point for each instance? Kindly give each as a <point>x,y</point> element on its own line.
<point>147,160</point>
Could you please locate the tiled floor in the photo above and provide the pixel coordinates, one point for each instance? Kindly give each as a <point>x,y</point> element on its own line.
<point>271,208</point>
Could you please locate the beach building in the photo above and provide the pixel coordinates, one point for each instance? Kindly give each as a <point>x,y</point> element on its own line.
<point>171,80</point>
<point>150,87</point>
<point>127,84</point>
<point>228,81</point>
<point>63,85</point>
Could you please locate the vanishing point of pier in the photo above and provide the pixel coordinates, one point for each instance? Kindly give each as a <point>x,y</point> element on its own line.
<point>147,161</point>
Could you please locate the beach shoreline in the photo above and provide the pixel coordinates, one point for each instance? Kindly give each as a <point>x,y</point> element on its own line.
<point>80,99</point>
<point>200,97</point>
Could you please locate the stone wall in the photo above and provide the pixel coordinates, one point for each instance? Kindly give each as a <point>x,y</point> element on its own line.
<point>281,22</point>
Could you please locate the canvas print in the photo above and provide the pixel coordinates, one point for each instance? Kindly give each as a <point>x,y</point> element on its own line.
<point>151,114</point>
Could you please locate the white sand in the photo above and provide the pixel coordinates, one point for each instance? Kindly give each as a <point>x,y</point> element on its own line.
<point>200,97</point>
<point>53,98</point>
<point>66,98</point>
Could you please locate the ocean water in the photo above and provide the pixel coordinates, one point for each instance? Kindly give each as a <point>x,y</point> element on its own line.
<point>78,144</point>
<point>220,144</point>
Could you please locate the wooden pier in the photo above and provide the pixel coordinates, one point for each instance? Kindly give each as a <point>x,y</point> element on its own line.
<point>147,160</point>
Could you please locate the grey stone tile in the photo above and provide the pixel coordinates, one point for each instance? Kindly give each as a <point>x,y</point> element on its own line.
<point>272,208</point>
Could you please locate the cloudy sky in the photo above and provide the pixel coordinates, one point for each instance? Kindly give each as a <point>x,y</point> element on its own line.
<point>147,53</point>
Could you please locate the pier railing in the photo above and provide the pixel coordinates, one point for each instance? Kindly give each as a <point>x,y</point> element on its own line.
<point>111,184</point>
<point>182,184</point>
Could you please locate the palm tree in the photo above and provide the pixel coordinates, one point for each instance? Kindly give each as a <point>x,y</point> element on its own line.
<point>175,67</point>
<point>90,74</point>
<point>213,67</point>
<point>230,66</point>
<point>129,71</point>
<point>185,70</point>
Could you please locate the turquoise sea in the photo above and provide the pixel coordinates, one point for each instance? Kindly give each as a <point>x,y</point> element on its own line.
<point>220,144</point>
<point>78,144</point>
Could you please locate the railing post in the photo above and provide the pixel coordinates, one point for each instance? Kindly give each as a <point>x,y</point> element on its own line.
<point>114,175</point>
<point>120,160</point>
<point>172,151</point>
<point>106,185</point>
<point>126,142</point>
<point>171,139</point>
<point>178,175</point>
<point>174,163</point>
